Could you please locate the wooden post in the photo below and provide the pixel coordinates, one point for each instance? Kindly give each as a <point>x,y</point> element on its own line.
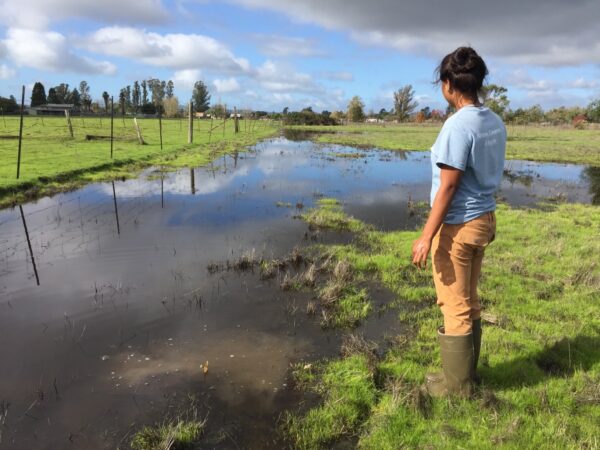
<point>236,123</point>
<point>224,122</point>
<point>37,278</point>
<point>191,123</point>
<point>160,129</point>
<point>211,128</point>
<point>193,181</point>
<point>20,132</point>
<point>68,116</point>
<point>138,131</point>
<point>112,125</point>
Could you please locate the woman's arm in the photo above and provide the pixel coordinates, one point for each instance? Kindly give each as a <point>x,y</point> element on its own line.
<point>449,180</point>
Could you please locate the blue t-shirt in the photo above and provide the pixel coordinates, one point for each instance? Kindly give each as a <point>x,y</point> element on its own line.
<point>472,140</point>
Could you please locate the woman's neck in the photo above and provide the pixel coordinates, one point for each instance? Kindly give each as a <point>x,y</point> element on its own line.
<point>461,102</point>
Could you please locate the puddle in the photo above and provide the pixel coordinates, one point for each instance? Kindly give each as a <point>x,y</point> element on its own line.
<point>126,314</point>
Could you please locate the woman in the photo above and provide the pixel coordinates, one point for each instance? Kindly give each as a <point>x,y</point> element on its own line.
<point>467,162</point>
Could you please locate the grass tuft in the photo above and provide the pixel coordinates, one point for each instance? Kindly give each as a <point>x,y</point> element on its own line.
<point>178,435</point>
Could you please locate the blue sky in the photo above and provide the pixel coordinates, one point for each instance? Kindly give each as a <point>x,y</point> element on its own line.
<point>269,54</point>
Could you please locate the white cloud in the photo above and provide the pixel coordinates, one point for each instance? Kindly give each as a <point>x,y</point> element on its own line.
<point>177,51</point>
<point>227,85</point>
<point>49,50</point>
<point>338,76</point>
<point>186,78</point>
<point>555,33</point>
<point>582,83</point>
<point>284,46</point>
<point>38,14</point>
<point>6,72</point>
<point>277,77</point>
<point>523,80</point>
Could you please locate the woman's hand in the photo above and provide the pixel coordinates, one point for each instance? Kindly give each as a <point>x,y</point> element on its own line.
<point>420,251</point>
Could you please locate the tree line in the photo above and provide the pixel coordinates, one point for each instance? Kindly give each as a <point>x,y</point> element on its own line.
<point>405,107</point>
<point>151,96</point>
<point>155,96</point>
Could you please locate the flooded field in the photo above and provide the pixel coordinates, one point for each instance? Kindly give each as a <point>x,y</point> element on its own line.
<point>111,324</point>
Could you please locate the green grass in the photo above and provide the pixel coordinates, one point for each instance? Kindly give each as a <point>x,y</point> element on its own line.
<point>540,360</point>
<point>534,143</point>
<point>177,435</point>
<point>329,214</point>
<point>52,161</point>
<point>349,394</point>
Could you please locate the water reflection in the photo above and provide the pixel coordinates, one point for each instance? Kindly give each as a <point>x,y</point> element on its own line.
<point>592,177</point>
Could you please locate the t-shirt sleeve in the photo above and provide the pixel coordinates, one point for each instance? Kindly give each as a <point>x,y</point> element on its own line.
<point>452,148</point>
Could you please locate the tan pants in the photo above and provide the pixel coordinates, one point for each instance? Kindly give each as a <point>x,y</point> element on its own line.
<point>457,253</point>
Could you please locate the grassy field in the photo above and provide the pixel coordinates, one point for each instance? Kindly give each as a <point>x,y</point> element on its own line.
<point>540,362</point>
<point>535,143</point>
<point>52,161</point>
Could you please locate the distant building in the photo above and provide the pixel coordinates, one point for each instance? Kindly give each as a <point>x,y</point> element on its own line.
<point>51,109</point>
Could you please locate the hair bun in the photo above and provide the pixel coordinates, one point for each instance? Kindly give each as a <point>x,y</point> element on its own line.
<point>465,70</point>
<point>464,59</point>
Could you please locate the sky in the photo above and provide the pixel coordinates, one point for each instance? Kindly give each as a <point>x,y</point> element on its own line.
<point>272,54</point>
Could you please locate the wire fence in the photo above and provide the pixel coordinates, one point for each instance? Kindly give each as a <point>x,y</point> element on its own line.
<point>50,147</point>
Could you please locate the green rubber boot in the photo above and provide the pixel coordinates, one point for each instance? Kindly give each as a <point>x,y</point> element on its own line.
<point>476,348</point>
<point>457,367</point>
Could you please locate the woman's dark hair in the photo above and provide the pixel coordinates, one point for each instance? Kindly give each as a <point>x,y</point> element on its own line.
<point>465,70</point>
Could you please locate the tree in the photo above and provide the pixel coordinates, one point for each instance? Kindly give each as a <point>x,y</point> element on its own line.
<point>84,92</point>
<point>75,98</point>
<point>338,115</point>
<point>157,89</point>
<point>38,94</point>
<point>9,105</point>
<point>144,92</point>
<point>128,97</point>
<point>169,90</point>
<point>494,97</point>
<point>52,97</point>
<point>356,111</point>
<point>218,110</point>
<point>285,110</point>
<point>201,97</point>
<point>122,100</point>
<point>136,96</point>
<point>404,103</point>
<point>105,97</point>
<point>593,111</point>
<point>63,94</point>
<point>171,106</point>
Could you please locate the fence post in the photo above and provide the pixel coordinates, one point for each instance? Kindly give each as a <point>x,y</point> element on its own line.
<point>211,128</point>
<point>20,132</point>
<point>236,127</point>
<point>160,129</point>
<point>112,119</point>
<point>68,116</point>
<point>191,123</point>
<point>138,131</point>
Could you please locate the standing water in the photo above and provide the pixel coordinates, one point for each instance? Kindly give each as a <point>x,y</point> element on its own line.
<point>118,333</point>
